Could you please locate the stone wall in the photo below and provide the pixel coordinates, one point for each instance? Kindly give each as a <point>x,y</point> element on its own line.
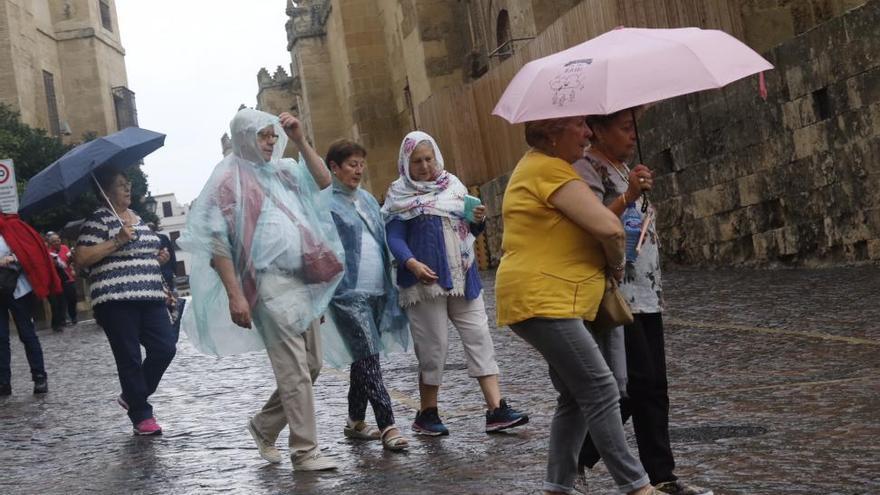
<point>766,23</point>
<point>793,180</point>
<point>364,64</point>
<point>32,49</point>
<point>67,40</point>
<point>319,106</point>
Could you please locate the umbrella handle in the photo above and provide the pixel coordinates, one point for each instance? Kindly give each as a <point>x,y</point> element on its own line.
<point>101,189</point>
<point>639,148</point>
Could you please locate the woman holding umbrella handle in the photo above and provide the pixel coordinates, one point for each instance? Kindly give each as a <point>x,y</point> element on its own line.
<point>645,398</point>
<point>123,258</point>
<point>104,249</point>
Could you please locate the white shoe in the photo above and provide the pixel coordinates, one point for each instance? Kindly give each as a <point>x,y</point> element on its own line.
<point>267,450</point>
<point>315,462</point>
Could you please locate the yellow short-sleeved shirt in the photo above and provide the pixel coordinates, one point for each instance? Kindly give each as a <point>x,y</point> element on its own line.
<point>551,268</point>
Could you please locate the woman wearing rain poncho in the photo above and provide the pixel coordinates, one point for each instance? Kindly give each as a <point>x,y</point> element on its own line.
<point>368,319</point>
<point>264,247</point>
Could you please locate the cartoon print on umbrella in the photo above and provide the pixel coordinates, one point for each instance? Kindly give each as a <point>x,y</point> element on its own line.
<point>566,85</point>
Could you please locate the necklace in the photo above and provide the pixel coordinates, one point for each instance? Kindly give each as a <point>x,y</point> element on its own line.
<point>624,176</point>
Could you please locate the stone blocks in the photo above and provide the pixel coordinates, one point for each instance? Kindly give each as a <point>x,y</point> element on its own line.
<point>793,180</point>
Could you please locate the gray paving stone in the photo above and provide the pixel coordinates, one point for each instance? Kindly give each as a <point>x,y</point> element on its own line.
<point>774,378</point>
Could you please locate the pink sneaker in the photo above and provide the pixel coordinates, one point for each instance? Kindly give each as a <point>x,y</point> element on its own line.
<point>148,426</point>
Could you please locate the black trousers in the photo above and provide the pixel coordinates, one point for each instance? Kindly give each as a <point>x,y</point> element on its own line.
<point>648,401</point>
<point>60,303</point>
<point>367,386</point>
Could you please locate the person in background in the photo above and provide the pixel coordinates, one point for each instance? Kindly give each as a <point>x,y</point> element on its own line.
<point>438,279</point>
<point>168,269</point>
<point>559,244</point>
<point>27,274</point>
<point>123,260</point>
<point>365,308</point>
<point>604,167</point>
<point>66,301</point>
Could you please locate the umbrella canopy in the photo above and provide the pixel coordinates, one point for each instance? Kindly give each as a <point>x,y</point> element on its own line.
<point>624,68</point>
<point>69,176</point>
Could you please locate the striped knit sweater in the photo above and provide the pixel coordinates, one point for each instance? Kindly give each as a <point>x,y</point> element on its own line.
<point>132,272</point>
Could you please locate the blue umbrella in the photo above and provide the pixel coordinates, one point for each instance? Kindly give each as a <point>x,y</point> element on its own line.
<point>70,176</point>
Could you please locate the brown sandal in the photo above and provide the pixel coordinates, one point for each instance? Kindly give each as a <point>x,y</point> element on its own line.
<point>359,430</point>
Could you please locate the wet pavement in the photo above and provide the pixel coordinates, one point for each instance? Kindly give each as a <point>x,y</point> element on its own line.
<point>774,378</point>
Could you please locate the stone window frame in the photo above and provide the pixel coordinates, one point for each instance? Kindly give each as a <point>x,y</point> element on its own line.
<point>51,103</point>
<point>125,107</point>
<point>503,37</point>
<point>106,15</point>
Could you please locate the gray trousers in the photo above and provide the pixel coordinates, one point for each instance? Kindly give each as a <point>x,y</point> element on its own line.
<point>588,399</point>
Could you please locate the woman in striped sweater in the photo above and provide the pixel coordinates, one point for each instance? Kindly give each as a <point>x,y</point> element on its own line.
<point>123,258</point>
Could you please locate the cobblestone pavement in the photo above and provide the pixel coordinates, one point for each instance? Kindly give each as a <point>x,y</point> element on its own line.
<point>774,385</point>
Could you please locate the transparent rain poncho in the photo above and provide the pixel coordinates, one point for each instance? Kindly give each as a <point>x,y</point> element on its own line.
<point>265,216</point>
<point>361,322</point>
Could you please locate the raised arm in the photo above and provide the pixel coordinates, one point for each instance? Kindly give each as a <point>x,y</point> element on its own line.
<point>294,130</point>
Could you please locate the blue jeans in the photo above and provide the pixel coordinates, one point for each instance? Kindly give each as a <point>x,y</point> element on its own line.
<point>128,325</point>
<point>23,313</point>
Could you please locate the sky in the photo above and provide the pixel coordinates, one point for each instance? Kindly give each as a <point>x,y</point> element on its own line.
<point>191,63</point>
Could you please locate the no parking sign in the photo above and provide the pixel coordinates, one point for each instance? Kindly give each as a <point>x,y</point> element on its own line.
<point>8,188</point>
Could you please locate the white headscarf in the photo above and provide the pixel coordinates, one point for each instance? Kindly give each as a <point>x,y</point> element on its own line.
<point>444,196</point>
<point>407,198</point>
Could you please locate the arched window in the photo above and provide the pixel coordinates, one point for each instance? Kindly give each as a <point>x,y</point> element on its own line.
<point>502,35</point>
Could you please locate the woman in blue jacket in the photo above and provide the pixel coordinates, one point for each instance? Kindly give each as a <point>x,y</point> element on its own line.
<point>438,279</point>
<point>364,307</point>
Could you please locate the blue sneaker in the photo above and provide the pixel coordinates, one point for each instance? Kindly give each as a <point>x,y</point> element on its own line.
<point>504,417</point>
<point>428,423</point>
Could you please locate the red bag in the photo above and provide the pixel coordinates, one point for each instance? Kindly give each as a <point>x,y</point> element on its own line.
<point>320,263</point>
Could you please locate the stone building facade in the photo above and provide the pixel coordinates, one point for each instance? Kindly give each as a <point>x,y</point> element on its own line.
<point>279,92</point>
<point>360,68</point>
<point>370,70</point>
<point>62,66</point>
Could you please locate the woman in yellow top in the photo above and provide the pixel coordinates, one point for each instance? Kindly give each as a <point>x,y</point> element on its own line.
<point>559,241</point>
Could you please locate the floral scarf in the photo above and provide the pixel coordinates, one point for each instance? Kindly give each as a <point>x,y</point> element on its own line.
<point>443,196</point>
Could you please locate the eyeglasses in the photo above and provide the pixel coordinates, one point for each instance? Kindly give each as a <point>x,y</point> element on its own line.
<point>126,185</point>
<point>267,136</point>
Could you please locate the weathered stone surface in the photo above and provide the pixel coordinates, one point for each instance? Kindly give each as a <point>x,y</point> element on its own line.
<point>794,174</point>
<point>68,43</point>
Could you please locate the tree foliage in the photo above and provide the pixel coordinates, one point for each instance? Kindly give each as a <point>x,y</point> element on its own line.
<point>32,150</point>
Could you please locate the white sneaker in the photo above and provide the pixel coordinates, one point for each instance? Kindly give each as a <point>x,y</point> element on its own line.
<point>315,462</point>
<point>267,450</point>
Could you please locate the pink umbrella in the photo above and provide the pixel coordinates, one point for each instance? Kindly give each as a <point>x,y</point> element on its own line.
<point>624,68</point>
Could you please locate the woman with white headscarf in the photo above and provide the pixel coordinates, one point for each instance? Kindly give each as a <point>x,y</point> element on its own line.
<point>265,250</point>
<point>433,244</point>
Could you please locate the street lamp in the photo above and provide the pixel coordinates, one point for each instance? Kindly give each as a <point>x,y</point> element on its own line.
<point>150,204</point>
